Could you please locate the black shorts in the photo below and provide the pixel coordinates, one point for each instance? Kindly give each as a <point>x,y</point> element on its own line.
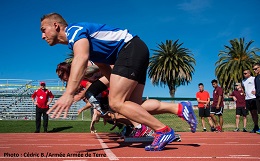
<point>215,111</point>
<point>257,100</point>
<point>132,61</point>
<point>204,112</point>
<point>241,111</point>
<point>251,104</point>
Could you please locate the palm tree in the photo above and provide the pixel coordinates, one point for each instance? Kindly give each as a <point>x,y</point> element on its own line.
<point>233,60</point>
<point>171,65</point>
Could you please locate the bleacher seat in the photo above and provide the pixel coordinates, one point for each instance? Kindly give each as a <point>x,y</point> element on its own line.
<point>15,98</point>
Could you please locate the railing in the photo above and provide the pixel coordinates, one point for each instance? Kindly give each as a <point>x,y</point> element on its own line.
<point>15,103</point>
<point>15,97</point>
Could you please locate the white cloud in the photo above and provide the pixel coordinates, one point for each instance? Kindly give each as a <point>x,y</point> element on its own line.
<point>194,6</point>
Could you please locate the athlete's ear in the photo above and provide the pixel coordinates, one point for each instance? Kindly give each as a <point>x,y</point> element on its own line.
<point>57,26</point>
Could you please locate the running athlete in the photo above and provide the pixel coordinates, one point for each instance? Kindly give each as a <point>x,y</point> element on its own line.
<point>92,85</point>
<point>107,46</point>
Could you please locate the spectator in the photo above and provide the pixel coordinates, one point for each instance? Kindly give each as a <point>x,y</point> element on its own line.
<point>217,106</point>
<point>42,98</point>
<point>249,86</point>
<point>238,96</point>
<point>256,69</point>
<point>203,99</point>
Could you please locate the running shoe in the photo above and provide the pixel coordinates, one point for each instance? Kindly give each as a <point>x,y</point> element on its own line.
<point>236,130</point>
<point>253,131</point>
<point>149,132</point>
<point>126,131</point>
<point>189,115</point>
<point>244,130</point>
<point>212,129</point>
<point>140,132</point>
<point>258,131</point>
<point>218,129</point>
<point>256,128</point>
<point>161,140</point>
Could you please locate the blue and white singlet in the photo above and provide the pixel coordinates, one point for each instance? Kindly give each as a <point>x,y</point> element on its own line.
<point>105,41</point>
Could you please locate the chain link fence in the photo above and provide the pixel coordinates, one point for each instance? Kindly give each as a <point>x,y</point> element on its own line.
<point>16,104</point>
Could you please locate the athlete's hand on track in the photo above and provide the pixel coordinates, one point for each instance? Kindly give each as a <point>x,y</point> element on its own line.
<point>61,105</point>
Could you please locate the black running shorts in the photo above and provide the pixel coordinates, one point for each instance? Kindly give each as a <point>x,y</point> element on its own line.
<point>132,61</point>
<point>241,111</point>
<point>251,104</point>
<point>215,111</point>
<point>204,112</point>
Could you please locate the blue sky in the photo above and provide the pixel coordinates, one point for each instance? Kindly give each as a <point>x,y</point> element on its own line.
<point>204,26</point>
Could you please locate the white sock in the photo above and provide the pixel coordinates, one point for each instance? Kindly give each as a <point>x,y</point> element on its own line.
<point>139,126</point>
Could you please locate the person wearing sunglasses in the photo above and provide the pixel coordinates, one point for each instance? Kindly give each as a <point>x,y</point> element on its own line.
<point>256,69</point>
<point>249,86</point>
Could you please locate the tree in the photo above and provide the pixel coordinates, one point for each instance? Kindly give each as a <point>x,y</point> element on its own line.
<point>232,61</point>
<point>171,65</point>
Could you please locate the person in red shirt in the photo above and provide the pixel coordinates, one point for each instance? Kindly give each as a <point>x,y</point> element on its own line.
<point>203,99</point>
<point>42,98</point>
<point>217,106</point>
<point>238,96</point>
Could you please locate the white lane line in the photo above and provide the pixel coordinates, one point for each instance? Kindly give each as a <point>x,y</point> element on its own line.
<point>239,155</point>
<point>109,153</point>
<point>44,146</point>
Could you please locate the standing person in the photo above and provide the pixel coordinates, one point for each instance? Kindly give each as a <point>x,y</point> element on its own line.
<point>217,106</point>
<point>256,69</point>
<point>106,46</point>
<point>203,99</point>
<point>238,96</point>
<point>249,86</point>
<point>42,98</point>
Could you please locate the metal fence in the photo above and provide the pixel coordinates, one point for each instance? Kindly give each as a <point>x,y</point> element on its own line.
<point>15,98</point>
<point>15,103</point>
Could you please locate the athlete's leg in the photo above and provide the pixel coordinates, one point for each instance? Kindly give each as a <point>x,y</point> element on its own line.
<point>237,121</point>
<point>244,121</point>
<point>203,122</point>
<point>121,90</point>
<point>156,107</point>
<point>221,121</point>
<point>139,91</point>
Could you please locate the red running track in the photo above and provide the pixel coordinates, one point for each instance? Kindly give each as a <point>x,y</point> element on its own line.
<point>200,146</point>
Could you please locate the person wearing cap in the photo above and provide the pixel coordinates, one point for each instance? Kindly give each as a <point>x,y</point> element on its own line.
<point>42,98</point>
<point>238,96</point>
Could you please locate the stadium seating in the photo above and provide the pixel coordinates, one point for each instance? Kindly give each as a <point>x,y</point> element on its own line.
<point>16,102</point>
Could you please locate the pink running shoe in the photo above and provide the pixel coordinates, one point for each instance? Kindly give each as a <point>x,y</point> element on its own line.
<point>142,132</point>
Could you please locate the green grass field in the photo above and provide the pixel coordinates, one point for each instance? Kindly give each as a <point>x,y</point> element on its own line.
<point>81,124</point>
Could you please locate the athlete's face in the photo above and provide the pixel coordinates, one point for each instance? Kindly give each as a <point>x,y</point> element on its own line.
<point>256,69</point>
<point>246,73</point>
<point>201,88</point>
<point>63,76</point>
<point>214,85</point>
<point>49,31</point>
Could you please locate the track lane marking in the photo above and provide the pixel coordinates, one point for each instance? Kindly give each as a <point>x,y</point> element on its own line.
<point>109,153</point>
